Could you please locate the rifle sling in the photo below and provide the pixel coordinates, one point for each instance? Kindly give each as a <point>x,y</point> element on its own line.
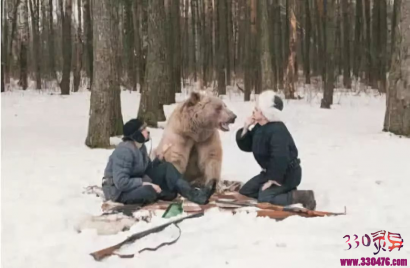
<point>152,249</point>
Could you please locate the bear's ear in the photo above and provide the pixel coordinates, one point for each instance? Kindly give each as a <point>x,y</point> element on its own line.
<point>193,99</point>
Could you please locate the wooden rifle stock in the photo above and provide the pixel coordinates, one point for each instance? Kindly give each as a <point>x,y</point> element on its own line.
<point>101,254</point>
<point>293,210</point>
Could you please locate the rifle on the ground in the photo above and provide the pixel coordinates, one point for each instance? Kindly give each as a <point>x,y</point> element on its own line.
<point>101,254</point>
<point>293,210</point>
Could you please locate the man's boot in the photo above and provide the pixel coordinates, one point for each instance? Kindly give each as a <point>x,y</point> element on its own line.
<point>306,198</point>
<point>199,196</point>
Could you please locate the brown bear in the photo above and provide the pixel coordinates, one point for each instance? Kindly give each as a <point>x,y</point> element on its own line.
<point>191,141</point>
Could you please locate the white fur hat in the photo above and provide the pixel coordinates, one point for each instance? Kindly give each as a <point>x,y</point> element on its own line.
<point>271,105</point>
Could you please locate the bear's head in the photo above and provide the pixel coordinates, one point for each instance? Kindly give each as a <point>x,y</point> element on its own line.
<point>207,111</point>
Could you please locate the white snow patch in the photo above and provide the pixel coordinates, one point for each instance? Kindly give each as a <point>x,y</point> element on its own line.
<point>346,159</point>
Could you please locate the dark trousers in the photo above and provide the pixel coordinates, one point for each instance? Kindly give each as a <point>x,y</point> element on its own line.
<point>278,195</point>
<point>163,174</point>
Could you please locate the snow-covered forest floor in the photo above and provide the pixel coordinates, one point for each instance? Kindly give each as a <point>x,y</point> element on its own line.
<point>346,159</point>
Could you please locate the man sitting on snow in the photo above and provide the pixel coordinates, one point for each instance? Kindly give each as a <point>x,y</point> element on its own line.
<point>275,151</point>
<point>130,177</point>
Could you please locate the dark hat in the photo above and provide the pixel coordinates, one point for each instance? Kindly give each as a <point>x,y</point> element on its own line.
<point>132,130</point>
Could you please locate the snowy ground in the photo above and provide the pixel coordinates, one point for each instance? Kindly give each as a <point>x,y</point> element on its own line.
<point>346,159</point>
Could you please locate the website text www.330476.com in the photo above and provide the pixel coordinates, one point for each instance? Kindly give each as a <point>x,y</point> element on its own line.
<point>380,261</point>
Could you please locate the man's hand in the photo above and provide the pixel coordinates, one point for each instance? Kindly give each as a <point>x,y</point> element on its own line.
<point>269,184</point>
<point>249,121</point>
<point>156,187</point>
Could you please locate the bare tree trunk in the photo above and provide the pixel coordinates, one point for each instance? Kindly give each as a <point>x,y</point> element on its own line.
<point>382,84</point>
<point>236,20</point>
<point>13,19</point>
<point>266,62</point>
<point>51,38</point>
<point>347,81</point>
<point>215,45</point>
<point>88,29</point>
<point>3,87</point>
<point>280,43</point>
<point>5,33</point>
<point>139,66</point>
<point>194,3</point>
<point>228,45</point>
<point>206,42</point>
<point>338,57</point>
<point>320,38</point>
<point>290,69</point>
<point>200,44</point>
<point>144,36</point>
<point>66,46</point>
<point>186,47</point>
<point>128,45</point>
<point>44,37</point>
<point>255,55</point>
<point>397,116</point>
<point>315,39</point>
<point>358,40</point>
<point>157,75</point>
<point>105,91</point>
<point>396,9</point>
<point>23,82</point>
<point>272,44</point>
<point>222,47</point>
<point>329,44</point>
<point>368,42</point>
<point>376,43</point>
<point>35,17</point>
<point>307,42</point>
<point>247,51</point>
<point>78,50</point>
<point>169,30</point>
<point>177,45</point>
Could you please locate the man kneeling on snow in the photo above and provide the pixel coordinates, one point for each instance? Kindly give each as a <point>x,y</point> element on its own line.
<point>275,151</point>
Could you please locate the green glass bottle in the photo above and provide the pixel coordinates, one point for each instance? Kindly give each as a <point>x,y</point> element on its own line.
<point>173,210</point>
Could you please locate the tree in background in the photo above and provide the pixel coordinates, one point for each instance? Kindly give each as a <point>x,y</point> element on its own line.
<point>157,75</point>
<point>105,106</point>
<point>329,48</point>
<point>266,62</point>
<point>66,45</point>
<point>23,28</point>
<point>397,116</point>
<point>290,75</point>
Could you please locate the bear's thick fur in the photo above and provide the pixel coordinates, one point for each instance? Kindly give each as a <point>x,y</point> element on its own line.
<point>191,139</point>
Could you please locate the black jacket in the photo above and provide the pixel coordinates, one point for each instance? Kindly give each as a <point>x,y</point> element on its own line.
<point>272,146</point>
